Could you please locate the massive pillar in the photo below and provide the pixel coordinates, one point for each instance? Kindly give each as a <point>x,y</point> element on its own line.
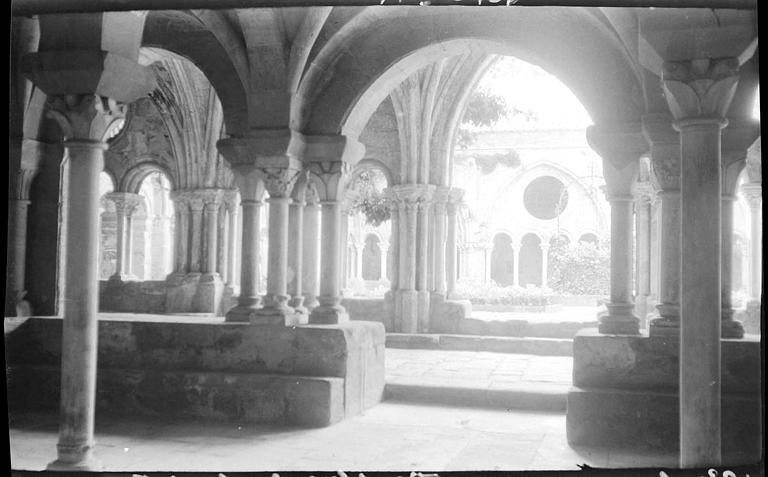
<point>311,248</point>
<point>89,106</point>
<point>126,204</point>
<point>621,151</point>
<point>698,93</point>
<point>329,159</point>
<point>32,153</point>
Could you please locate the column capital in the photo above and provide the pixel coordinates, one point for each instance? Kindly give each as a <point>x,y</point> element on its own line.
<point>125,202</point>
<point>753,191</point>
<point>31,156</point>
<point>644,193</point>
<point>329,178</point>
<point>700,88</point>
<point>620,146</point>
<point>86,117</point>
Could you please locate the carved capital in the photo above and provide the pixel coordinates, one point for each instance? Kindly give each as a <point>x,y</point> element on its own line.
<point>32,154</point>
<point>279,181</point>
<point>86,117</point>
<point>643,193</point>
<point>700,88</point>
<point>665,166</point>
<point>126,203</point>
<point>311,196</point>
<point>330,178</point>
<point>753,191</point>
<point>412,195</point>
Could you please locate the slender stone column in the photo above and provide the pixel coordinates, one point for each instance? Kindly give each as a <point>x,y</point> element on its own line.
<point>698,93</point>
<point>621,151</point>
<point>212,203</point>
<point>440,201</point>
<point>86,121</point>
<point>248,301</point>
<point>196,206</point>
<point>310,250</point>
<point>515,265</point>
<point>359,246</point>
<point>329,310</point>
<point>383,248</point>
<point>730,328</point>
<point>422,259</point>
<point>753,191</point>
<point>126,204</point>
<point>182,233</point>
<point>32,153</point>
<point>544,246</point>
<point>642,250</point>
<point>451,249</point>
<point>487,252</point>
<point>296,242</point>
<point>222,241</point>
<point>231,242</point>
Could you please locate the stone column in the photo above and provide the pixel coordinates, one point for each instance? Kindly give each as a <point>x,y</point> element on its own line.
<point>359,246</point>
<point>296,243</point>
<point>441,197</point>
<point>328,159</point>
<point>515,265</point>
<point>544,246</point>
<point>422,258</point>
<point>698,93</point>
<point>231,241</point>
<point>407,197</point>
<point>487,252</point>
<point>732,164</point>
<point>451,249</point>
<point>642,250</point>
<point>86,121</point>
<point>125,205</point>
<point>383,248</point>
<point>32,153</point>
<point>181,251</point>
<point>311,249</point>
<point>222,242</point>
<point>279,183</point>
<point>196,206</point>
<point>621,151</point>
<point>753,191</point>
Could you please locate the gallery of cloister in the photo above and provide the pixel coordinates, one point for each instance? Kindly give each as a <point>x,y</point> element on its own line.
<point>183,239</point>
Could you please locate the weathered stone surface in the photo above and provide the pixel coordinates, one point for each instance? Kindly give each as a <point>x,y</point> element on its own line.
<point>368,309</point>
<point>134,296</point>
<point>645,419</point>
<point>351,351</point>
<point>181,292</point>
<point>472,326</point>
<point>640,362</point>
<point>258,398</point>
<point>408,341</point>
<point>446,315</point>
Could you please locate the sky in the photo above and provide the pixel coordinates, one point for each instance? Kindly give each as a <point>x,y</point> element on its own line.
<point>528,87</point>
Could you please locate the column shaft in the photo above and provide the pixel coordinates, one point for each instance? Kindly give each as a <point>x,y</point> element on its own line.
<point>642,256</point>
<point>439,249</point>
<point>311,255</point>
<point>515,265</point>
<point>296,242</point>
<point>121,255</point>
<point>330,311</point>
<point>195,245</point>
<point>128,249</point>
<point>211,238</point>
<point>80,324</point>
<point>544,264</point>
<point>275,301</point>
<point>450,252</point>
<point>755,262</point>
<point>231,245</point>
<point>394,250</point>
<point>668,308</point>
<point>17,222</point>
<point>700,420</point>
<point>730,328</point>
<point>248,300</point>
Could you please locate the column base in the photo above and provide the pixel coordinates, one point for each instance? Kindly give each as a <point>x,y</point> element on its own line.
<point>310,302</point>
<point>618,320</point>
<point>242,313</point>
<point>297,303</point>
<point>210,290</point>
<point>328,315</point>
<point>664,327</point>
<point>123,277</point>
<point>731,328</point>
<point>407,309</point>
<point>74,458</point>
<point>276,312</point>
<point>424,299</point>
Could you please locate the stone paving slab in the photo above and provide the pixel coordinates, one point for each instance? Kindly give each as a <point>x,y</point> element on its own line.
<point>497,344</point>
<point>481,379</point>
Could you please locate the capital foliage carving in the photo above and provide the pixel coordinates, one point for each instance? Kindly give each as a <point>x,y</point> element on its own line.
<point>665,166</point>
<point>279,181</point>
<point>86,117</point>
<point>700,88</point>
<point>332,178</point>
<point>126,203</point>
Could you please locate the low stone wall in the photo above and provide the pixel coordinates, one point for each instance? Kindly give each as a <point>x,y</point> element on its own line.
<point>307,375</point>
<point>369,309</point>
<point>519,308</point>
<point>132,296</point>
<point>448,314</point>
<point>625,393</point>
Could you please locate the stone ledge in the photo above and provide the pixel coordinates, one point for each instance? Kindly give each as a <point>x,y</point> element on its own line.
<point>255,398</point>
<point>650,420</point>
<point>497,344</point>
<point>643,363</point>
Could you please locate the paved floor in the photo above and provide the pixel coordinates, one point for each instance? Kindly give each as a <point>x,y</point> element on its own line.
<point>389,436</point>
<point>477,369</point>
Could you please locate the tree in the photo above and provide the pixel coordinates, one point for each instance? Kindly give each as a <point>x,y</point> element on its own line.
<point>580,269</point>
<point>485,109</point>
<point>368,199</point>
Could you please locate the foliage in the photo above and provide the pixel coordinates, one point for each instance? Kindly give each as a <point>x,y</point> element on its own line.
<point>579,269</point>
<point>481,293</point>
<point>488,163</point>
<point>485,109</point>
<point>370,201</point>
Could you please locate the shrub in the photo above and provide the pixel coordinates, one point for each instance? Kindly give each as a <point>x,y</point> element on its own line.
<point>580,269</point>
<point>480,293</point>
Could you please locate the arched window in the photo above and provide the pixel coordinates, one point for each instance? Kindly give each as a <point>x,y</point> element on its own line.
<point>107,228</point>
<point>153,229</point>
<point>371,258</point>
<point>503,260</point>
<point>530,260</point>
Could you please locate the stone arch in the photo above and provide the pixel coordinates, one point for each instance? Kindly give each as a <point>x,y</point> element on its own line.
<point>530,260</point>
<point>551,41</point>
<point>503,260</point>
<point>371,257</point>
<point>206,39</point>
<point>153,244</point>
<point>375,164</point>
<point>589,237</point>
<point>133,177</point>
